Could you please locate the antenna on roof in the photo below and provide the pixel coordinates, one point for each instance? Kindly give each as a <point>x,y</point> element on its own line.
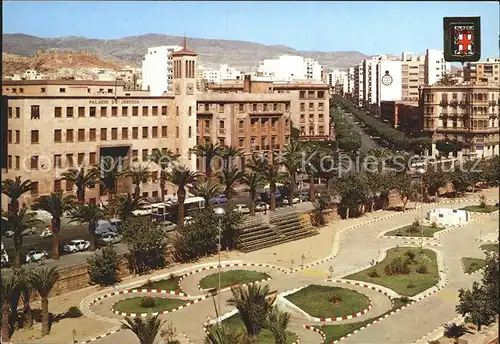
<point>184,44</point>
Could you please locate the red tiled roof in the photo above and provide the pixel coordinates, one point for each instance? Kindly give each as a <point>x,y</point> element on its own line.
<point>184,52</point>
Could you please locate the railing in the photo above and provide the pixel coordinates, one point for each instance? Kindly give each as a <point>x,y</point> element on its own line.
<point>454,103</point>
<point>443,103</point>
<point>222,131</point>
<point>206,131</point>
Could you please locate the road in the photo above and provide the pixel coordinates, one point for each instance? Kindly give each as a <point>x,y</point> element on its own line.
<point>366,142</point>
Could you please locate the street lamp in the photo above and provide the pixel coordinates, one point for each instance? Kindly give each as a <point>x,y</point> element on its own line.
<point>421,171</point>
<point>219,212</point>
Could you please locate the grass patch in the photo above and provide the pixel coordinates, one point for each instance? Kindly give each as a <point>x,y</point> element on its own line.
<point>405,284</point>
<point>228,278</point>
<point>477,209</point>
<point>324,302</point>
<point>334,332</point>
<point>133,305</point>
<point>472,264</point>
<point>407,231</point>
<point>490,247</point>
<point>264,337</point>
<point>171,284</point>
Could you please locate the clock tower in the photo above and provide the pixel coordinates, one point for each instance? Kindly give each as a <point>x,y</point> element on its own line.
<point>184,87</point>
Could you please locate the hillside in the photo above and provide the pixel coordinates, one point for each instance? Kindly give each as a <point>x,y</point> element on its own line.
<point>130,50</point>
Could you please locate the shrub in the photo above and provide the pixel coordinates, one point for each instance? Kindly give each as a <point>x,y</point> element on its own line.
<point>73,312</point>
<point>482,198</point>
<point>405,299</point>
<point>148,302</point>
<point>434,224</point>
<point>398,266</point>
<point>411,255</point>
<point>422,269</point>
<point>416,223</point>
<point>103,267</point>
<point>410,285</point>
<point>373,273</point>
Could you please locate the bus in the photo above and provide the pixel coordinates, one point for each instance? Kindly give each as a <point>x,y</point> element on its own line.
<point>169,210</point>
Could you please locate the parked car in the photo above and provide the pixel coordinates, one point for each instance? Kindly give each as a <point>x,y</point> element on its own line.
<point>188,220</point>
<point>110,238</point>
<point>46,233</point>
<point>242,208</point>
<point>4,257</point>
<point>104,226</point>
<point>76,245</point>
<point>27,231</point>
<point>304,197</point>
<point>36,256</point>
<point>168,226</point>
<point>218,199</point>
<point>144,210</point>
<point>261,206</point>
<point>41,214</point>
<point>294,200</point>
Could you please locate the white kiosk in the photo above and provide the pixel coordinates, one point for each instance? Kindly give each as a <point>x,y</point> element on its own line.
<point>448,217</point>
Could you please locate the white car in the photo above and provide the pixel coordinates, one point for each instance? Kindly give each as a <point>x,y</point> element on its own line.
<point>41,214</point>
<point>110,238</point>
<point>28,231</point>
<point>188,220</point>
<point>242,208</point>
<point>261,206</point>
<point>76,246</point>
<point>36,256</point>
<point>168,226</point>
<point>144,210</point>
<point>46,233</point>
<point>294,200</point>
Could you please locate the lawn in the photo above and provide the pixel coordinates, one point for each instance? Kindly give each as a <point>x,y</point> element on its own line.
<point>334,332</point>
<point>401,283</point>
<point>133,305</point>
<point>477,209</point>
<point>490,247</point>
<point>472,264</point>
<point>316,300</point>
<point>406,231</point>
<point>228,278</point>
<point>171,284</point>
<point>264,337</point>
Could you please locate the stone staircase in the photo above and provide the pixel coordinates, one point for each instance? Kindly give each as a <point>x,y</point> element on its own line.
<point>257,234</point>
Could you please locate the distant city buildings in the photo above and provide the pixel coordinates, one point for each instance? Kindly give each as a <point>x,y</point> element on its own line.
<point>291,68</point>
<point>216,76</point>
<point>435,66</point>
<point>482,71</point>
<point>157,69</point>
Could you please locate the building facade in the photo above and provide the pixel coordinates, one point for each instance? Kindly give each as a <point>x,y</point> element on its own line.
<point>435,66</point>
<point>483,71</point>
<point>157,72</point>
<point>467,114</point>
<point>291,68</point>
<point>412,76</point>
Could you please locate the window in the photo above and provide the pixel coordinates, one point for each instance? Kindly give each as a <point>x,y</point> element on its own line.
<point>57,185</point>
<point>58,112</point>
<point>164,110</point>
<point>145,132</point>
<point>144,155</point>
<point>92,111</point>
<point>81,157</point>
<point>321,94</point>
<point>18,162</point>
<point>241,142</point>
<point>154,110</point>
<point>164,131</point>
<point>35,112</point>
<point>114,111</point>
<point>81,111</point>
<point>287,107</point>
<point>18,136</point>
<point>254,107</point>
<point>34,162</point>
<point>207,123</point>
<point>124,111</point>
<point>321,106</point>
<point>155,132</point>
<point>302,106</point>
<point>9,136</point>
<point>34,136</point>
<point>34,188</point>
<point>114,133</point>
<point>92,134</point>
<point>221,124</point>
<point>42,90</point>
<point>81,135</point>
<point>275,107</point>
<point>9,161</point>
<point>69,135</point>
<point>177,111</point>
<point>104,134</point>
<point>103,111</point>
<point>302,94</point>
<point>69,159</point>
<point>92,158</point>
<point>311,106</point>
<point>177,132</point>
<point>145,110</point>
<point>135,111</point>
<point>69,112</point>
<point>69,185</point>
<point>62,90</point>
<point>18,112</point>
<point>154,176</point>
<point>10,112</point>
<point>135,153</point>
<point>189,131</point>
<point>241,124</point>
<point>135,132</point>
<point>241,107</point>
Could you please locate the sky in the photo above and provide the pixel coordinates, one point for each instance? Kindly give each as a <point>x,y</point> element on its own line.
<point>368,27</point>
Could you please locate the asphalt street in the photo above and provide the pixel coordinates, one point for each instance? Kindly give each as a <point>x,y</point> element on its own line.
<point>366,142</point>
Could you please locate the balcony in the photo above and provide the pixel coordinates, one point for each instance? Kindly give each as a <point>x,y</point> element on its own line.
<point>492,103</point>
<point>197,131</point>
<point>452,130</point>
<point>222,131</point>
<point>241,132</point>
<point>276,146</point>
<point>206,132</point>
<point>454,103</point>
<point>302,120</point>
<point>443,103</point>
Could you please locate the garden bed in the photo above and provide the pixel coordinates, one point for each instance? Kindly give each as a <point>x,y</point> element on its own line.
<point>232,277</point>
<point>411,231</point>
<point>471,265</point>
<point>171,284</point>
<point>133,305</point>
<point>490,248</point>
<point>479,209</point>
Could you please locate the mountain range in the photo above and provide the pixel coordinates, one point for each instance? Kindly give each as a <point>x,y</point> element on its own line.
<point>212,52</point>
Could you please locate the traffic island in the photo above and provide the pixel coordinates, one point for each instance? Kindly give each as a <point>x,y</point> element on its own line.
<point>232,278</point>
<point>471,265</point>
<point>142,305</point>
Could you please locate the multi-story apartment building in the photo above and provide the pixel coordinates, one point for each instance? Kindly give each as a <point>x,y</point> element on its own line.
<point>358,89</point>
<point>465,113</point>
<point>54,125</point>
<point>335,79</point>
<point>157,70</point>
<point>483,71</point>
<point>290,68</point>
<point>224,72</point>
<point>435,66</point>
<point>412,76</point>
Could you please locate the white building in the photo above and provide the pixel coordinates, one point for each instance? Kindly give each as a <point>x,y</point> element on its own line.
<point>217,76</point>
<point>389,81</point>
<point>357,92</point>
<point>435,66</point>
<point>290,67</point>
<point>448,217</point>
<point>157,72</point>
<point>336,77</point>
<point>349,82</point>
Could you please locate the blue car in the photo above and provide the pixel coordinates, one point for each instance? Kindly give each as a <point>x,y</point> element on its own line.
<point>218,199</point>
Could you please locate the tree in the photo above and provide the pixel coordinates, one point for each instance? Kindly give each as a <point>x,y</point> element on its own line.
<point>207,190</point>
<point>82,180</point>
<point>271,173</point>
<point>228,155</point>
<point>181,177</point>
<point>454,331</point>
<point>14,189</point>
<point>291,160</point>
<point>43,280</point>
<point>320,205</point>
<point>229,177</point>
<point>352,190</point>
<point>460,181</point>
<point>226,335</point>
<point>89,214</point>
<point>253,181</point>
<point>476,304</point>
<point>277,323</point>
<point>253,305</point>
<point>447,80</point>
<point>146,330</point>
<point>490,280</point>
<point>24,291</point>
<point>125,204</point>
<point>109,170</point>
<point>103,267</point>
<point>406,189</point>
<point>208,151</point>
<point>56,204</point>
<point>18,222</point>
<point>139,174</point>
<point>164,159</point>
<point>8,287</point>
<point>434,180</point>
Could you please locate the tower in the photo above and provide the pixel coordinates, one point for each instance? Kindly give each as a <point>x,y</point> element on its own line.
<point>184,87</point>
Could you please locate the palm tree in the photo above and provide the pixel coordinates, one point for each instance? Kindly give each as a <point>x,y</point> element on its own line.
<point>124,205</point>
<point>109,171</point>
<point>56,204</point>
<point>208,151</point>
<point>229,177</point>
<point>19,222</point>
<point>164,160</point>
<point>292,161</point>
<point>14,189</point>
<point>90,214</point>
<point>145,330</point>
<point>181,177</point>
<point>253,180</point>
<point>273,176</point>
<point>138,174</point>
<point>447,80</point>
<point>277,323</point>
<point>253,305</point>
<point>25,290</point>
<point>207,190</point>
<point>43,280</point>
<point>225,335</point>
<point>230,153</point>
<point>81,179</point>
<point>8,287</point>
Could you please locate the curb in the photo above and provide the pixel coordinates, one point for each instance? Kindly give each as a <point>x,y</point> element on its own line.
<point>382,290</point>
<point>189,303</point>
<point>101,336</point>
<point>438,332</point>
<point>469,273</point>
<point>486,240</point>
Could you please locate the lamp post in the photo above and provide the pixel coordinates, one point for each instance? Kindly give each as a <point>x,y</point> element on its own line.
<point>219,212</point>
<point>421,171</point>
